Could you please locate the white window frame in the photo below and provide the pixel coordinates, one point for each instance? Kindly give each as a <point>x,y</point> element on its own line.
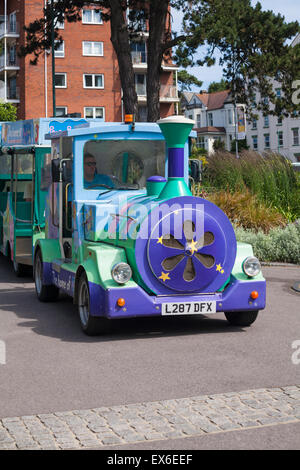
<point>93,53</point>
<point>65,75</point>
<point>92,10</point>
<point>255,142</point>
<point>62,107</point>
<point>60,53</point>
<point>296,139</point>
<point>93,87</point>
<point>94,111</point>
<point>210,120</point>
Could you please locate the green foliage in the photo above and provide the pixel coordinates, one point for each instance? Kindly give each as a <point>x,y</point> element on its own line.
<point>186,80</point>
<point>8,112</point>
<point>246,210</point>
<point>279,245</point>
<point>242,145</point>
<point>218,145</point>
<point>270,177</point>
<point>218,86</point>
<point>252,46</point>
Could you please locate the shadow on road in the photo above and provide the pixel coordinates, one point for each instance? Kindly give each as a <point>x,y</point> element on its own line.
<point>60,319</point>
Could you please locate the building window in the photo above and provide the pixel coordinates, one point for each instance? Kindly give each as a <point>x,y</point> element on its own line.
<point>93,81</point>
<point>279,121</point>
<point>91,17</point>
<point>254,124</point>
<point>280,138</point>
<point>210,119</point>
<point>13,22</point>
<point>266,121</point>
<point>60,51</point>
<point>138,52</point>
<point>198,116</point>
<point>295,136</point>
<point>92,48</point>
<point>94,113</point>
<point>254,142</point>
<point>61,111</point>
<point>201,142</point>
<point>229,116</point>
<point>267,141</point>
<point>60,80</point>
<point>60,24</point>
<point>278,92</point>
<point>140,84</point>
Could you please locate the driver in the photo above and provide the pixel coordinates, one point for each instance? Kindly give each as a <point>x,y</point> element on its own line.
<point>91,177</point>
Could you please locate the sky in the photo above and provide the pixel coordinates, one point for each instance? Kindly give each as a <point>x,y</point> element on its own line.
<point>290,9</point>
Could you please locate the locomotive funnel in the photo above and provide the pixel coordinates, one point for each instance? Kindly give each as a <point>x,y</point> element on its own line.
<point>176,130</point>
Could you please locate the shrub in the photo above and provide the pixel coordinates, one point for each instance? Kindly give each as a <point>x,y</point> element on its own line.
<point>279,245</point>
<point>270,177</point>
<point>246,210</point>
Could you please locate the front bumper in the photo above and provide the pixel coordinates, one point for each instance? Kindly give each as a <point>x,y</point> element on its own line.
<point>236,297</point>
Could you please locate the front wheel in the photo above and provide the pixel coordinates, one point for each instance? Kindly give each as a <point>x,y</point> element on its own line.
<point>44,292</point>
<point>91,325</point>
<point>241,318</point>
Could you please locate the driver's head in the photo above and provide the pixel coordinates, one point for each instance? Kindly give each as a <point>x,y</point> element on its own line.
<point>89,166</point>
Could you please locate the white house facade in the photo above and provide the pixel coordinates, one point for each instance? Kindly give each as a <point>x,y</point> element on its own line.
<point>214,117</point>
<point>270,133</point>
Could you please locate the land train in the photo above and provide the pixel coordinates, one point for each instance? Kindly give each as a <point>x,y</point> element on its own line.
<point>25,152</point>
<point>125,237</point>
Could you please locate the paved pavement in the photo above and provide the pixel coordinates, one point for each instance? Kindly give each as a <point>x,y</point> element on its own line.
<point>152,421</point>
<point>152,383</point>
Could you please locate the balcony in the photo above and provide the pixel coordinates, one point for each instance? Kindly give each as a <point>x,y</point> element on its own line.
<point>10,63</point>
<point>9,28</point>
<point>168,93</point>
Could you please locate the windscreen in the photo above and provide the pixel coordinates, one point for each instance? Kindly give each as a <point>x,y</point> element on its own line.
<point>122,163</point>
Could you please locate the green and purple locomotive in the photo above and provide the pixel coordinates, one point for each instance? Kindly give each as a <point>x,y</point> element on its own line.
<point>125,237</point>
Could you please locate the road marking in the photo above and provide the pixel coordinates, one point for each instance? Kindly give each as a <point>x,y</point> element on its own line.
<point>153,421</point>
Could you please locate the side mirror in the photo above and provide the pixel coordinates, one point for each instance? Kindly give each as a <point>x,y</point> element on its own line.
<point>196,170</point>
<point>66,170</point>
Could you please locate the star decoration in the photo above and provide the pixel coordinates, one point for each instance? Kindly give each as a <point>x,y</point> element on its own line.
<point>160,239</point>
<point>164,276</point>
<point>192,246</point>
<point>220,269</point>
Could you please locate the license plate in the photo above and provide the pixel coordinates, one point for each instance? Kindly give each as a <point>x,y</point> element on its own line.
<point>190,308</point>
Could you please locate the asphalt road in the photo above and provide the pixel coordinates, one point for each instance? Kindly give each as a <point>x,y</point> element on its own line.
<point>52,366</point>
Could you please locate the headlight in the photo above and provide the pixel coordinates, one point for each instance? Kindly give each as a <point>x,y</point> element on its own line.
<point>251,266</point>
<point>121,273</point>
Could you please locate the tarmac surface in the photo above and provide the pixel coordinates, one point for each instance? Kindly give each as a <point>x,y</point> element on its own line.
<point>172,373</point>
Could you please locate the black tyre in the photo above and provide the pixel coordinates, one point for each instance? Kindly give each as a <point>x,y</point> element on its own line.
<point>45,293</point>
<point>91,325</point>
<point>20,270</point>
<point>241,318</point>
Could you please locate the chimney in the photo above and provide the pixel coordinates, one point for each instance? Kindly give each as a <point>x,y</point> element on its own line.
<point>176,130</point>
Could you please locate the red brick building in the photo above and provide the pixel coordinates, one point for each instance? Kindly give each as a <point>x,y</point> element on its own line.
<point>86,69</point>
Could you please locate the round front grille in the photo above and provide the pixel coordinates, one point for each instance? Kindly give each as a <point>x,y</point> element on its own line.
<point>186,250</point>
<point>186,245</point>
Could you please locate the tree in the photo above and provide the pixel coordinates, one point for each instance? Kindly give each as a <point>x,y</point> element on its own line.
<point>186,80</point>
<point>253,47</point>
<point>159,42</point>
<point>8,112</point>
<point>218,86</point>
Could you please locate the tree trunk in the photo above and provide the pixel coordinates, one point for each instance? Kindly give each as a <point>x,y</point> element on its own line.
<point>157,31</point>
<point>121,43</point>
